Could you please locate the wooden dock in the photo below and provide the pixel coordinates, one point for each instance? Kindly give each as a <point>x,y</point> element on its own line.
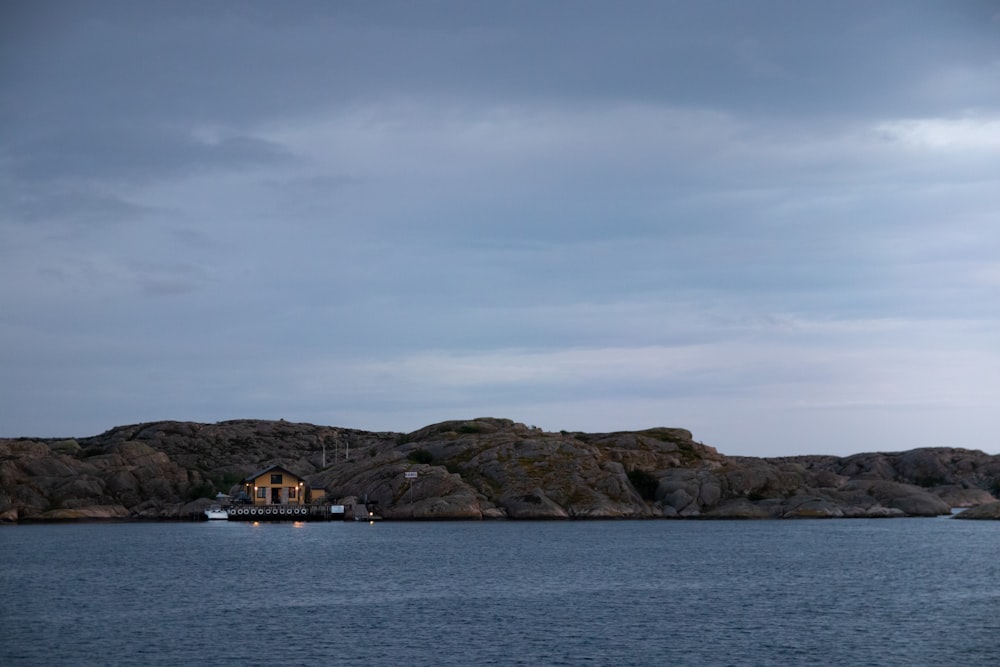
<point>281,513</point>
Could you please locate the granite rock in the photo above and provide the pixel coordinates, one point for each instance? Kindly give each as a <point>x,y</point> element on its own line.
<point>475,469</point>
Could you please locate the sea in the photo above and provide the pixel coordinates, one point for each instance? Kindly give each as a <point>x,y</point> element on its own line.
<point>808,592</point>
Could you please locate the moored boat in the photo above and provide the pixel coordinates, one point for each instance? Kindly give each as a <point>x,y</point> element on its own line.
<point>216,513</point>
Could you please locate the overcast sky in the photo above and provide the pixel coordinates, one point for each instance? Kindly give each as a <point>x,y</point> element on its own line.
<point>773,223</point>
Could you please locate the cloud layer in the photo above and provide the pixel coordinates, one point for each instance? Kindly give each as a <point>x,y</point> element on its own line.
<point>772,223</point>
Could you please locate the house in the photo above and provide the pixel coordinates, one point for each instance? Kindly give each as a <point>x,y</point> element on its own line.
<point>275,485</point>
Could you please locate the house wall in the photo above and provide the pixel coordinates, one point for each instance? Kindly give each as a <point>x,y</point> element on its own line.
<point>288,482</point>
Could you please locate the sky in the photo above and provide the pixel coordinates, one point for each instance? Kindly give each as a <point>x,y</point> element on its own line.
<point>772,223</point>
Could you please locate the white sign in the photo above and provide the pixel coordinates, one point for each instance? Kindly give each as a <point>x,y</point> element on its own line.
<point>410,475</point>
<point>336,509</point>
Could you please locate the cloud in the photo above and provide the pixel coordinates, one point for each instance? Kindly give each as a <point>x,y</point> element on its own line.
<point>113,151</point>
<point>64,212</point>
<point>773,224</point>
<point>807,386</point>
<point>167,279</point>
<point>970,135</point>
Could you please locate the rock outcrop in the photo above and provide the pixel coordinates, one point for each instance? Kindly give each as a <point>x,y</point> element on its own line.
<point>985,511</point>
<point>473,469</point>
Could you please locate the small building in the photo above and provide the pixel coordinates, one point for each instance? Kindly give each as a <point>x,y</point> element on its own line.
<point>275,485</point>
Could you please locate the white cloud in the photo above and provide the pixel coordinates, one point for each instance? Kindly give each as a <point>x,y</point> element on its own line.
<point>973,134</point>
<point>788,362</point>
<point>814,387</point>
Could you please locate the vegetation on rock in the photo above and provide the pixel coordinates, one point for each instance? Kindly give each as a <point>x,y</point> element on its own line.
<point>481,468</point>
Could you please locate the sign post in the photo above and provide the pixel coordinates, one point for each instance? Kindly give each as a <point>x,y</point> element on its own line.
<point>410,475</point>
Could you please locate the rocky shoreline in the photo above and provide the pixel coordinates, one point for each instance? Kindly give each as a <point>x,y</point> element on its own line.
<point>479,469</point>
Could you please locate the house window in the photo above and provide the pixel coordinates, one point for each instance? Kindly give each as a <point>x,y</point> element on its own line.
<point>262,492</point>
<point>276,479</point>
<point>291,493</point>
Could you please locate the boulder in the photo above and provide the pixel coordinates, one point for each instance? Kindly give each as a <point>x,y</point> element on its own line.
<point>813,508</point>
<point>920,504</point>
<point>988,511</point>
<point>956,495</point>
<point>533,505</point>
<point>740,508</point>
<point>90,512</point>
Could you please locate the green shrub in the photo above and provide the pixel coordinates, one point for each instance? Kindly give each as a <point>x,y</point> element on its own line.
<point>71,447</point>
<point>204,490</point>
<point>224,482</point>
<point>930,480</point>
<point>420,456</point>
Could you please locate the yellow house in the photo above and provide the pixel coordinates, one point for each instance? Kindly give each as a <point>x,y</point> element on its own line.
<point>275,486</point>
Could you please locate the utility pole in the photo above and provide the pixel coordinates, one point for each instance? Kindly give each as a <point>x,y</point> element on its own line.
<point>410,477</point>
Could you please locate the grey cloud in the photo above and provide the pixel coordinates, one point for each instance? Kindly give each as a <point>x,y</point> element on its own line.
<point>107,151</point>
<point>334,211</point>
<point>70,204</point>
<point>256,61</point>
<point>167,279</point>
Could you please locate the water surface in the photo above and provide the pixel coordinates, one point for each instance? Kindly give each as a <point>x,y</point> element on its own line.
<point>851,592</point>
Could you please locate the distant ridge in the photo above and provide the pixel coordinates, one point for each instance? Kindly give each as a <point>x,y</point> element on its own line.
<point>484,468</point>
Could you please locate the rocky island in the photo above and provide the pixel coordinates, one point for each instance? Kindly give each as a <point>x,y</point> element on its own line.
<point>479,469</point>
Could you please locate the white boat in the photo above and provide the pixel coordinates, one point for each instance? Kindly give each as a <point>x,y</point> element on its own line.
<point>216,513</point>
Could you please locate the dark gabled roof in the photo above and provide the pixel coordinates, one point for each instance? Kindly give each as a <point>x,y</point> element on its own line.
<point>250,478</point>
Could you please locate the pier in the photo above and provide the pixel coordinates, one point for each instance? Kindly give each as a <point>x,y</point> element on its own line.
<point>281,513</point>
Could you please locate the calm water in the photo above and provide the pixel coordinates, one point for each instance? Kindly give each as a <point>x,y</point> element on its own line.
<point>876,592</point>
